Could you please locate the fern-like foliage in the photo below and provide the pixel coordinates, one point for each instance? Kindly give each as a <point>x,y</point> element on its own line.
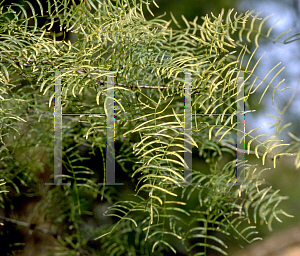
<point>149,60</point>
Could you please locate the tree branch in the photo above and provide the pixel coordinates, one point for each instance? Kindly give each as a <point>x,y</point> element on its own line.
<point>30,226</point>
<point>81,71</point>
<point>43,230</point>
<point>244,151</point>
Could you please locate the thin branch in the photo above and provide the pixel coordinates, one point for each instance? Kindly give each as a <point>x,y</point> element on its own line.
<point>43,230</point>
<point>81,71</point>
<point>102,82</point>
<point>244,151</point>
<point>30,226</point>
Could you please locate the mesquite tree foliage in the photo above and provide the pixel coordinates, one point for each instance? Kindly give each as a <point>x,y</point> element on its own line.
<point>149,59</point>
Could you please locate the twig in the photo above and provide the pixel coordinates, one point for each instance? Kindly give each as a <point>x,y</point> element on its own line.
<point>43,230</point>
<point>29,225</point>
<point>100,82</point>
<point>244,151</point>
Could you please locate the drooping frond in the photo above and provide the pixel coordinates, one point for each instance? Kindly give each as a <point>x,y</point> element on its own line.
<point>149,60</point>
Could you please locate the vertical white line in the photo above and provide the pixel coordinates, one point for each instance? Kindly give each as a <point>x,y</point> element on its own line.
<point>240,171</point>
<point>58,133</point>
<point>110,131</point>
<point>187,128</point>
